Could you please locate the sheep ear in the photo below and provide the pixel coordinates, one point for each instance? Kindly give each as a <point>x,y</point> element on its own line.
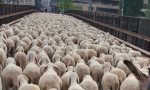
<point>4,41</point>
<point>137,73</point>
<point>56,68</point>
<point>149,71</point>
<point>88,62</point>
<point>45,68</point>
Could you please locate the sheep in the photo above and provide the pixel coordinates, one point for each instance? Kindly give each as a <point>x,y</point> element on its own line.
<point>43,60</point>
<point>21,59</point>
<point>130,83</point>
<point>110,81</point>
<point>49,50</point>
<point>83,54</point>
<point>119,57</point>
<point>96,71</point>
<point>19,49</point>
<point>61,66</point>
<point>91,53</point>
<point>50,79</point>
<point>106,67</point>
<point>3,46</point>
<point>101,49</point>
<point>24,45</point>
<point>10,60</point>
<point>99,60</point>
<point>143,80</point>
<point>74,82</point>
<point>65,78</point>
<point>9,75</point>
<point>134,53</point>
<point>142,61</point>
<point>69,51</point>
<point>68,60</point>
<point>121,74</point>
<point>9,32</point>
<point>36,49</point>
<point>26,40</point>
<point>15,38</point>
<point>82,69</point>
<point>75,56</point>
<point>107,58</point>
<point>60,52</point>
<point>33,74</point>
<point>23,84</point>
<point>88,83</point>
<point>122,66</point>
<point>48,45</point>
<point>2,59</point>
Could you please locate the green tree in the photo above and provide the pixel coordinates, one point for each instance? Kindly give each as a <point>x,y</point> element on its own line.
<point>132,7</point>
<point>66,5</point>
<point>0,1</point>
<point>147,12</point>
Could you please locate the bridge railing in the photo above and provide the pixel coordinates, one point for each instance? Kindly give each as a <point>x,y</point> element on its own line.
<point>131,29</point>
<point>10,12</point>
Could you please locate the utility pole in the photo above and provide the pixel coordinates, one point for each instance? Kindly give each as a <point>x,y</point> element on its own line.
<point>63,6</point>
<point>122,7</point>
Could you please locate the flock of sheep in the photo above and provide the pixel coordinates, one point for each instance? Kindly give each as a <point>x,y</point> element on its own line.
<point>44,51</point>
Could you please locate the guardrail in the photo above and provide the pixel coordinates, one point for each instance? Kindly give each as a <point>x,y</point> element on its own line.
<point>133,30</point>
<point>10,12</point>
<point>105,28</point>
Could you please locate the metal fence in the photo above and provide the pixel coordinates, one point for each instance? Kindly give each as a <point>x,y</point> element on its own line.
<point>10,12</point>
<point>133,30</point>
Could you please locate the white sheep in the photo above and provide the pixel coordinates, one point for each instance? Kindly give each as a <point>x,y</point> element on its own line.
<point>23,84</point>
<point>66,77</point>
<point>9,75</point>
<point>32,74</point>
<point>50,79</point>
<point>68,60</point>
<point>110,81</point>
<point>96,71</point>
<point>130,83</point>
<point>74,82</point>
<point>88,83</point>
<point>82,69</point>
<point>2,59</point>
<point>49,50</point>
<point>21,59</point>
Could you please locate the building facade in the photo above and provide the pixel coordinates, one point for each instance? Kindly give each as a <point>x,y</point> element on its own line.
<point>20,2</point>
<point>105,6</point>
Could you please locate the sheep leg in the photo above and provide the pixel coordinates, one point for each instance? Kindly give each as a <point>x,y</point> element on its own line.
<point>1,68</point>
<point>4,87</point>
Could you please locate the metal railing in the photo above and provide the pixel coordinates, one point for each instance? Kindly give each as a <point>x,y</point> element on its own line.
<point>10,12</point>
<point>133,30</point>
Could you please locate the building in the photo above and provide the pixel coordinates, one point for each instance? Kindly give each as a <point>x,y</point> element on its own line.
<point>20,2</point>
<point>105,6</point>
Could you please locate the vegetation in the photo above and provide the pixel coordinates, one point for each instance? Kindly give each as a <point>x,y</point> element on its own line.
<point>0,1</point>
<point>147,12</point>
<point>133,7</point>
<point>66,5</point>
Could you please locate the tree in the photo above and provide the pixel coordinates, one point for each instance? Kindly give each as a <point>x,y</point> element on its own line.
<point>0,1</point>
<point>132,7</point>
<point>147,12</point>
<point>66,5</point>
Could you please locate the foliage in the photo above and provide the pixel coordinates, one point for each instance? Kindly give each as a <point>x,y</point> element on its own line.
<point>132,7</point>
<point>147,12</point>
<point>66,4</point>
<point>0,1</point>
